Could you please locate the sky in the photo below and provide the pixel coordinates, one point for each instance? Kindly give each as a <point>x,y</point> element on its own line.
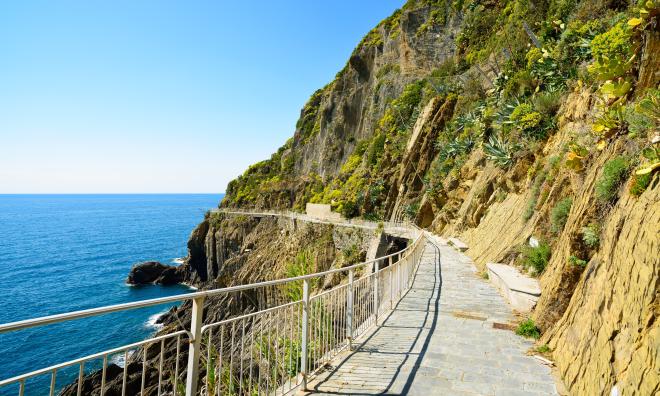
<point>162,96</point>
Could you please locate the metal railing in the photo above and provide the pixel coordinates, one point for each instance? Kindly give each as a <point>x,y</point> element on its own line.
<point>354,222</point>
<point>295,327</point>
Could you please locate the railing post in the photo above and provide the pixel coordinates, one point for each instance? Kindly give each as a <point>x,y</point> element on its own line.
<point>194,349</point>
<point>391,279</point>
<point>398,276</point>
<point>349,310</point>
<point>376,269</point>
<point>305,333</point>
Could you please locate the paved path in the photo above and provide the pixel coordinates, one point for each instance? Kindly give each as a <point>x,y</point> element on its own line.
<point>440,340</point>
<point>391,228</point>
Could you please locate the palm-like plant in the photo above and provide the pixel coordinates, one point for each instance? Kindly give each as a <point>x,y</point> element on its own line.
<point>499,151</point>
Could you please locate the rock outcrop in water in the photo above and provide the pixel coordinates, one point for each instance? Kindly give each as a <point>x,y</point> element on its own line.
<point>153,272</point>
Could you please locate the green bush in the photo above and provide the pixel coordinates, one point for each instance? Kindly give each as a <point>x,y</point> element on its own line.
<point>376,149</point>
<point>559,214</point>
<point>301,265</point>
<point>578,262</point>
<point>536,258</point>
<point>536,190</point>
<point>640,183</point>
<point>591,235</point>
<point>387,69</point>
<point>644,117</point>
<point>612,52</point>
<point>614,173</point>
<point>500,151</point>
<point>528,329</point>
<point>547,102</point>
<point>524,117</point>
<point>352,254</point>
<point>411,210</point>
<point>613,43</point>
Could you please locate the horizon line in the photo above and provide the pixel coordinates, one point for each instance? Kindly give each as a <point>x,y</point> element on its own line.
<point>115,193</point>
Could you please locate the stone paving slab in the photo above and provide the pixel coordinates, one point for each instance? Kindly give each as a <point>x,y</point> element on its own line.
<point>440,340</point>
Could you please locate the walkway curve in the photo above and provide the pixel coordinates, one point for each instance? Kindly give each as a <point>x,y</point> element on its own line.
<point>440,340</point>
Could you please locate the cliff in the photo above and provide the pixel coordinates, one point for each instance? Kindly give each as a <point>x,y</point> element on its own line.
<point>495,122</point>
<point>498,122</point>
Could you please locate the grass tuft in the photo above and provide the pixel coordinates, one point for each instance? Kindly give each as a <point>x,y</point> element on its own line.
<point>614,173</point>
<point>559,214</point>
<point>528,329</point>
<point>536,258</point>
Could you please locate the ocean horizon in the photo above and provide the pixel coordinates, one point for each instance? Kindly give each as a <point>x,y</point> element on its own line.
<point>66,252</point>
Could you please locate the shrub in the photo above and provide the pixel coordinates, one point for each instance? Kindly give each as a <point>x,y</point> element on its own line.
<point>387,69</point>
<point>591,235</point>
<point>352,254</point>
<point>640,183</point>
<point>546,70</point>
<point>301,265</point>
<point>648,108</point>
<point>575,43</point>
<point>348,209</point>
<point>499,151</point>
<point>543,348</point>
<point>614,43</point>
<point>376,149</point>
<point>524,116</point>
<point>559,214</point>
<point>578,262</point>
<point>351,164</point>
<point>528,329</point>
<point>536,258</point>
<point>613,52</point>
<point>614,173</point>
<point>536,190</point>
<point>411,210</point>
<point>547,102</point>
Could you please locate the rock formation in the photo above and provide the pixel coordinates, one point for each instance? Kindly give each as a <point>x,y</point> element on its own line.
<point>493,122</point>
<point>153,272</point>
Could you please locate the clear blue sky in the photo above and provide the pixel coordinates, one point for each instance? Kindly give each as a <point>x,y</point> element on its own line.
<point>161,96</point>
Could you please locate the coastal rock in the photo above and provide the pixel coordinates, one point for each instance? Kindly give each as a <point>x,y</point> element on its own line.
<point>153,272</point>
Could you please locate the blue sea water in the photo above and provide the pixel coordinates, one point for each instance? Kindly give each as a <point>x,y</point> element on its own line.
<point>60,253</point>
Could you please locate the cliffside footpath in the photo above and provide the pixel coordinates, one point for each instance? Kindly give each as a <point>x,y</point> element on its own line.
<point>498,122</point>
<point>495,122</point>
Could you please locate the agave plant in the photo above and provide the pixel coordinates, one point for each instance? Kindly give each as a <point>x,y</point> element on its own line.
<point>504,112</point>
<point>499,151</point>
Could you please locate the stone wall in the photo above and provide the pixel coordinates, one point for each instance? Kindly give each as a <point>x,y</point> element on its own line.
<point>322,212</point>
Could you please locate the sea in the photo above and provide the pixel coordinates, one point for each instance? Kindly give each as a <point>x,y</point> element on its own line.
<point>62,253</point>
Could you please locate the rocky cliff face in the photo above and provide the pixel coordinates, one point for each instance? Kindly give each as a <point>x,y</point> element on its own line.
<point>357,115</point>
<point>233,250</point>
<point>498,122</point>
<point>495,122</point>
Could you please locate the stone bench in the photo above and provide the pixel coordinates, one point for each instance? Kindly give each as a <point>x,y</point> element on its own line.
<point>458,244</point>
<point>520,291</point>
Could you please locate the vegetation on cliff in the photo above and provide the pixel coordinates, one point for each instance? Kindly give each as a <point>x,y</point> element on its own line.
<point>496,121</point>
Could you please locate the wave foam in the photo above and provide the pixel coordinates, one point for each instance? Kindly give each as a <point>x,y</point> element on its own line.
<point>119,359</point>
<point>151,322</point>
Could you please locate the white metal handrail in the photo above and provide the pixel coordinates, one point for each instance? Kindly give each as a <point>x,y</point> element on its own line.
<point>279,346</point>
<point>354,222</point>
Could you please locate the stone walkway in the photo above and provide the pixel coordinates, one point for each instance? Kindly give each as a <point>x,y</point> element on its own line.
<point>440,340</point>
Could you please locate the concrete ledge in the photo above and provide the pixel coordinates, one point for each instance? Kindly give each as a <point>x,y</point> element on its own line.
<point>322,212</point>
<point>458,244</point>
<point>520,291</point>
